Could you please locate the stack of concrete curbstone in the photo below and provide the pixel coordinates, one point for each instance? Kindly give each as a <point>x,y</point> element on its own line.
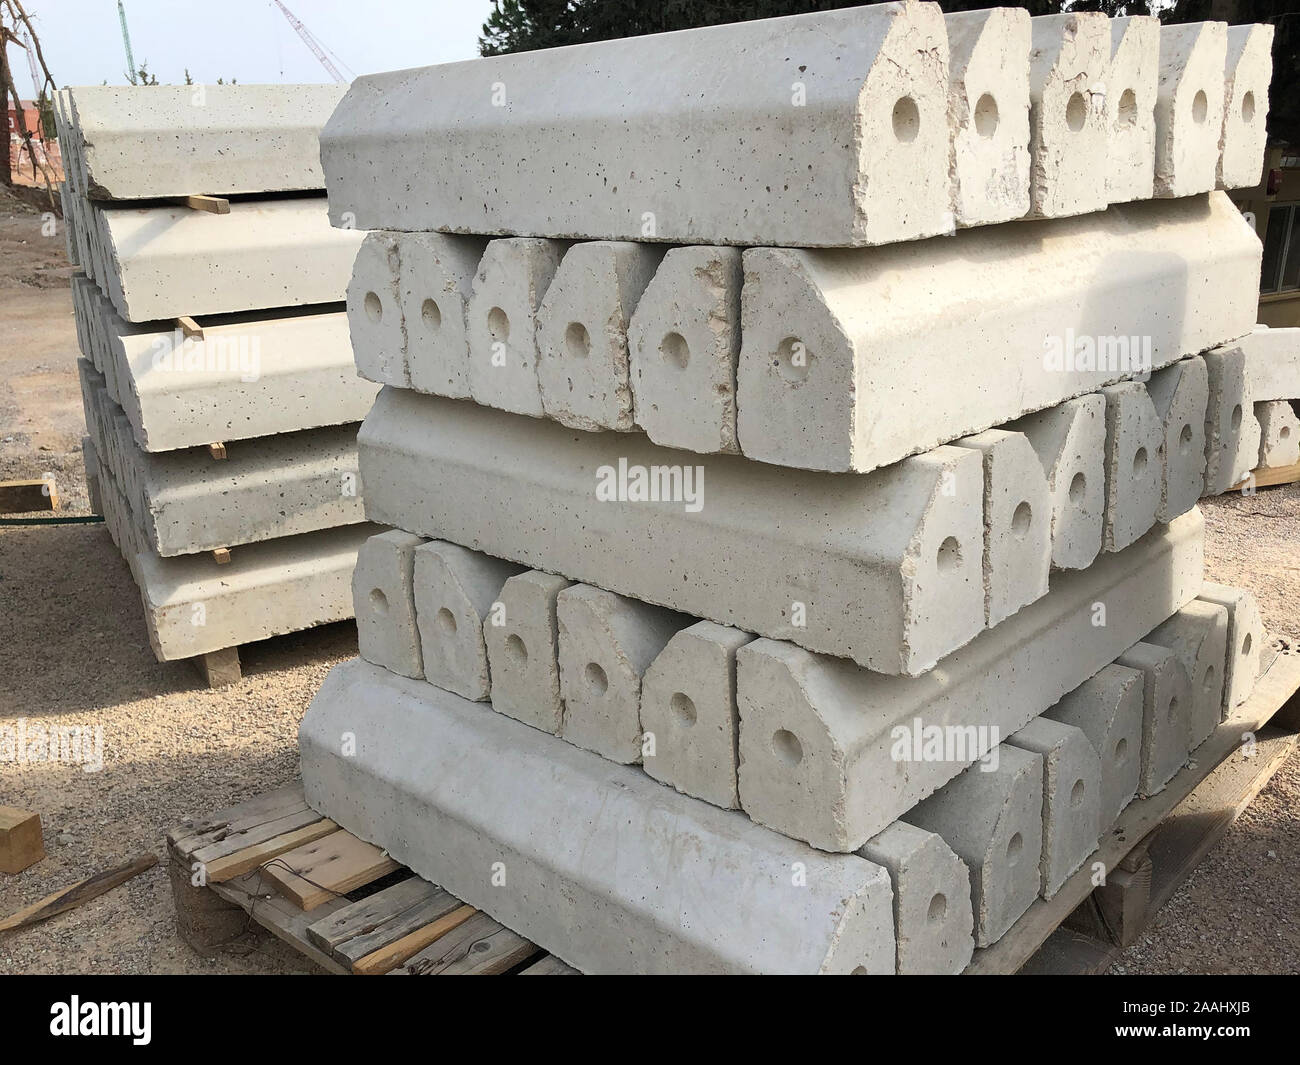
<point>220,394</point>
<point>771,588</point>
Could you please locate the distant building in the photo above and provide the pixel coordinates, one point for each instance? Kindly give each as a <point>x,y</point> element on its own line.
<point>31,117</point>
<point>1274,206</point>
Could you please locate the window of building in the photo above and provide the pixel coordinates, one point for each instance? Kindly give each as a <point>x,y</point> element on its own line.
<point>1281,269</point>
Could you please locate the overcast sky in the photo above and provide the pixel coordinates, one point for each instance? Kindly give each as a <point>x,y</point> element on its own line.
<point>249,40</point>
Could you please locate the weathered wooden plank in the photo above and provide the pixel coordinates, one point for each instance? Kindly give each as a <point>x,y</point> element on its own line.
<point>479,947</point>
<point>378,920</point>
<point>395,953</point>
<point>248,859</point>
<point>316,872</point>
<point>75,894</point>
<point>282,918</point>
<point>243,818</point>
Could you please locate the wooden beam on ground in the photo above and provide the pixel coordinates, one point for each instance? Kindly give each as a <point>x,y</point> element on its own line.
<point>219,668</point>
<point>21,842</point>
<point>75,894</point>
<point>327,868</point>
<point>25,496</point>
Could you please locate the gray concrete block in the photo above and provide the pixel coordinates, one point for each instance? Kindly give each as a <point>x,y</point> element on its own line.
<point>1279,434</point>
<point>1107,708</point>
<point>384,599</point>
<point>683,340</point>
<point>263,254</point>
<point>1198,635</point>
<point>1248,71</point>
<point>1070,441</point>
<point>1189,107</point>
<point>1245,641</point>
<point>831,753</point>
<point>1131,85</point>
<point>134,144</point>
<point>988,114</point>
<point>1068,62</point>
<point>582,344</point>
<point>607,642</point>
<point>437,280</point>
<point>688,713</point>
<point>1180,394</point>
<point>553,143</point>
<point>501,322</point>
<point>1017,523</point>
<point>933,924</point>
<point>1272,362</point>
<point>455,590</point>
<point>993,819</point>
<point>1134,437</point>
<point>375,319</point>
<point>1166,713</point>
<point>828,381</point>
<point>888,567</point>
<point>193,606</point>
<point>1231,431</point>
<point>581,856</point>
<point>523,651</point>
<point>1071,797</point>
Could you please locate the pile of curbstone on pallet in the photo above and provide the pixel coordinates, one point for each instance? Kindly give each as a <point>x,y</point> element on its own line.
<point>220,395</point>
<point>1273,372</point>
<point>794,567</point>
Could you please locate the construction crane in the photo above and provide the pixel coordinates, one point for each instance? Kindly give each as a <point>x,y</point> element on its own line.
<point>309,39</point>
<point>126,42</point>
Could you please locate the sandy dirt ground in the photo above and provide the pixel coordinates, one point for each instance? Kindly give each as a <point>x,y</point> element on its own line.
<point>73,651</point>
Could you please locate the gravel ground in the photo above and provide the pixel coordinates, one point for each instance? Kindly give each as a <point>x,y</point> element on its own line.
<point>73,651</point>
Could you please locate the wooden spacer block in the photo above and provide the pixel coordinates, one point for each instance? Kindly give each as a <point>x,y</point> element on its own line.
<point>217,451</point>
<point>21,845</point>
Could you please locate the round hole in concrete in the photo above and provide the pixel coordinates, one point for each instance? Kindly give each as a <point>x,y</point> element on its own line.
<point>793,359</point>
<point>378,601</point>
<point>374,308</point>
<point>577,340</point>
<point>1200,107</point>
<point>1076,112</point>
<point>1140,462</point>
<point>1171,711</point>
<point>1236,417</point>
<point>675,350</point>
<point>1211,676</point>
<point>516,650</point>
<point>683,709</point>
<point>1021,520</point>
<point>1245,645</point>
<point>787,748</point>
<point>498,323</point>
<point>1077,793</point>
<point>1248,107</point>
<point>1127,115</point>
<point>949,556</point>
<point>1121,749</point>
<point>1015,845</point>
<point>596,679</point>
<point>1284,432</point>
<point>986,116</point>
<point>907,120</point>
<point>859,970</point>
<point>446,621</point>
<point>431,315</point>
<point>1185,438</point>
<point>1078,485</point>
<point>937,908</point>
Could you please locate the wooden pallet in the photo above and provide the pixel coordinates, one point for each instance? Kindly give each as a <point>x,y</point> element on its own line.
<point>1157,841</point>
<point>345,905</point>
<point>1269,476</point>
<point>339,901</point>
